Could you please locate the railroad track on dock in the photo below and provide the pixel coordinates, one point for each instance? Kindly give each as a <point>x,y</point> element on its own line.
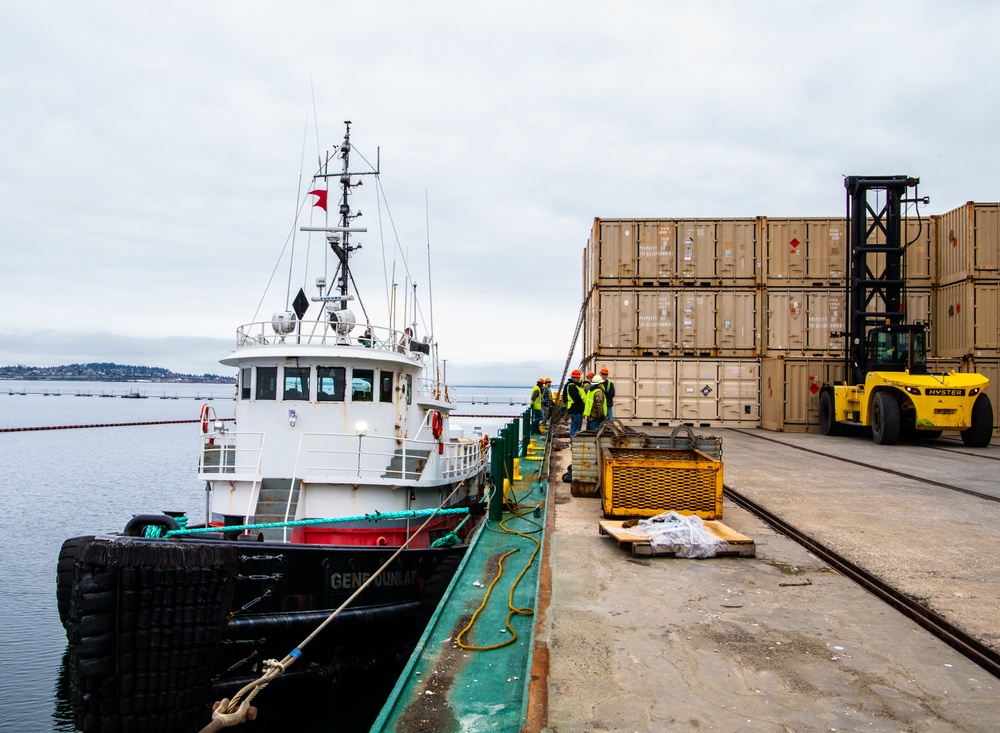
<point>874,467</point>
<point>962,642</point>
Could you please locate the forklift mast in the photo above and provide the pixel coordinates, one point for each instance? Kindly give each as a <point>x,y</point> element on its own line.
<point>875,247</point>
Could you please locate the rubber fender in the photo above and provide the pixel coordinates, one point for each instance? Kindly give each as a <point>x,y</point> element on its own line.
<point>65,569</point>
<point>136,526</point>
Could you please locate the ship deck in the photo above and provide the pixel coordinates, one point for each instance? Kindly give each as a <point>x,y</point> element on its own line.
<point>776,642</point>
<point>445,687</point>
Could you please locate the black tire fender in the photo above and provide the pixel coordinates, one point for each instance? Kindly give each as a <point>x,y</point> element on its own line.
<point>136,526</point>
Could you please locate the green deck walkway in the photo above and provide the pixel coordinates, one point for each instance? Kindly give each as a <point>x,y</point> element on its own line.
<point>446,687</point>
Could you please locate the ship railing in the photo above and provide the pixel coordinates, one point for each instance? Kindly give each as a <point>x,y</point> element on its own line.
<point>231,456</point>
<point>326,333</point>
<point>379,459</point>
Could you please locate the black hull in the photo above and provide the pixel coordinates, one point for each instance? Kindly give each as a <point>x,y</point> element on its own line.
<point>158,629</point>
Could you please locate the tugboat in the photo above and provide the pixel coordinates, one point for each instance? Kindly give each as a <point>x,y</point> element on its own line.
<point>342,472</point>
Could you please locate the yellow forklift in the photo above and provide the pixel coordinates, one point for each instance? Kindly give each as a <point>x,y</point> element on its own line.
<point>887,386</point>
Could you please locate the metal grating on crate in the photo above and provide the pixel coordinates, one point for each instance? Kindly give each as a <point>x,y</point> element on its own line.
<point>647,482</point>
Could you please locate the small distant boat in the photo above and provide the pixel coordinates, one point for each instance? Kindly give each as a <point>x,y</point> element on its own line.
<point>133,395</point>
<point>343,471</point>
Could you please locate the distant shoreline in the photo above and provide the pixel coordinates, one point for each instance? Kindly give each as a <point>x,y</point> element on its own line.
<point>107,372</point>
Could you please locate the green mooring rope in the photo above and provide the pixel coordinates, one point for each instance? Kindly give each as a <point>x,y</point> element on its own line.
<point>374,517</point>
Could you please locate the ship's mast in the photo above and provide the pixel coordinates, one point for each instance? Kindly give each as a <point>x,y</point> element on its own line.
<point>345,217</point>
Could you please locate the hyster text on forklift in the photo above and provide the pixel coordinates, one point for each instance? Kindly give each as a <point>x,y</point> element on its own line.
<point>888,387</point>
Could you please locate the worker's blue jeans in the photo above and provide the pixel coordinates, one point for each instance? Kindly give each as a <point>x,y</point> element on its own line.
<point>536,420</point>
<point>575,423</point>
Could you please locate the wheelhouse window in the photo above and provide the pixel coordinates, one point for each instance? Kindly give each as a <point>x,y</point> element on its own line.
<point>296,384</point>
<point>245,383</point>
<point>385,386</point>
<point>330,383</point>
<point>362,381</point>
<point>267,383</point>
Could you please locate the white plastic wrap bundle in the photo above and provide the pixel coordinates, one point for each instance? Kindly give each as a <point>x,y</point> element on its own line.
<point>686,536</point>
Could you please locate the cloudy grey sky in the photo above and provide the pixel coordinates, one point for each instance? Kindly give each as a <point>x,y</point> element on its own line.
<point>150,153</point>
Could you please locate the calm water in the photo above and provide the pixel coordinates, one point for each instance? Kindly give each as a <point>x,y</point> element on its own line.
<point>57,484</point>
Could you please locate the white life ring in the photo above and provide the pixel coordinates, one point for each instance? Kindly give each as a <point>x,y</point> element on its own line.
<point>207,416</point>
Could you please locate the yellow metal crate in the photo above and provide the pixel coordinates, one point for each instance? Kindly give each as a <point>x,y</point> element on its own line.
<point>644,482</point>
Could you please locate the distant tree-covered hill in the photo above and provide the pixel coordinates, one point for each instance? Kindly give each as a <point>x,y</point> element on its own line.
<point>107,372</point>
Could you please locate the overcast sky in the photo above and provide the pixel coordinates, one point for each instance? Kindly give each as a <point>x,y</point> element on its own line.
<point>150,153</point>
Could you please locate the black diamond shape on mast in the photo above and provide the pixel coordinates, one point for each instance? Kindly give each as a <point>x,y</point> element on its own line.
<point>300,304</point>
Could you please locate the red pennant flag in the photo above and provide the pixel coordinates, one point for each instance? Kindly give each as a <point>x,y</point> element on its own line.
<point>320,198</point>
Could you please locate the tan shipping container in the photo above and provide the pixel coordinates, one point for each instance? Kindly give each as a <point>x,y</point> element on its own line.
<point>966,319</point>
<point>804,252</point>
<point>737,251</point>
<point>617,321</point>
<point>615,251</point>
<point>789,391</point>
<point>739,398</point>
<point>696,252</point>
<point>989,367</point>
<point>738,325</point>
<point>718,392</point>
<point>655,391</point>
<point>657,259</point>
<point>657,321</point>
<point>968,243</point>
<point>696,321</point>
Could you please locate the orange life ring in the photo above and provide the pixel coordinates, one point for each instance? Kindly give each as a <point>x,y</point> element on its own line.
<point>437,424</point>
<point>206,417</point>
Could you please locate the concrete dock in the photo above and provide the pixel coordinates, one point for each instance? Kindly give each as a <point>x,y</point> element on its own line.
<point>780,642</point>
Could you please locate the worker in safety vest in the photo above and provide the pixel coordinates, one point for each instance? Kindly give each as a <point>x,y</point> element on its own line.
<point>548,400</point>
<point>536,405</point>
<point>597,410</point>
<point>572,397</point>
<point>609,392</point>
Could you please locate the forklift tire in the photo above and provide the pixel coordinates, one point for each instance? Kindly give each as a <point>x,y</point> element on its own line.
<point>979,434</point>
<point>827,424</point>
<point>885,419</point>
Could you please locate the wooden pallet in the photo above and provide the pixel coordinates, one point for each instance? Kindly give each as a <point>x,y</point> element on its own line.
<point>739,545</point>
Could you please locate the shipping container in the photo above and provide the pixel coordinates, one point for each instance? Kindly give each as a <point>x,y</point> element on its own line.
<point>615,253</point>
<point>617,321</point>
<point>738,322</point>
<point>738,254</point>
<point>789,391</point>
<point>696,251</point>
<point>655,391</point>
<point>804,252</point>
<point>696,322</point>
<point>968,243</point>
<point>802,322</point>
<point>989,367</point>
<point>657,259</point>
<point>966,319</point>
<point>657,321</point>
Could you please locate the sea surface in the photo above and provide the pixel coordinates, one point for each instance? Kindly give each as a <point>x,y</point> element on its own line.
<point>56,484</point>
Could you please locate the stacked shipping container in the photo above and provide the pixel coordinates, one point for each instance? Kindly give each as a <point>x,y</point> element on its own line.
<point>740,321</point>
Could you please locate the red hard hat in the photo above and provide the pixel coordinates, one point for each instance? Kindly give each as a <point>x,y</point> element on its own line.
<point>590,375</point>
<point>575,373</point>
<point>604,370</point>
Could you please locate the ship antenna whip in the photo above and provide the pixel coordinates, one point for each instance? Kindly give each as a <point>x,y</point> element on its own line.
<point>430,285</point>
<point>227,712</point>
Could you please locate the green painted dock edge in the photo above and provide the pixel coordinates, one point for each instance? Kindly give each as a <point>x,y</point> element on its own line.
<point>447,688</point>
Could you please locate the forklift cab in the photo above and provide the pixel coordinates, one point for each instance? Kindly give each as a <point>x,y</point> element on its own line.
<point>897,348</point>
